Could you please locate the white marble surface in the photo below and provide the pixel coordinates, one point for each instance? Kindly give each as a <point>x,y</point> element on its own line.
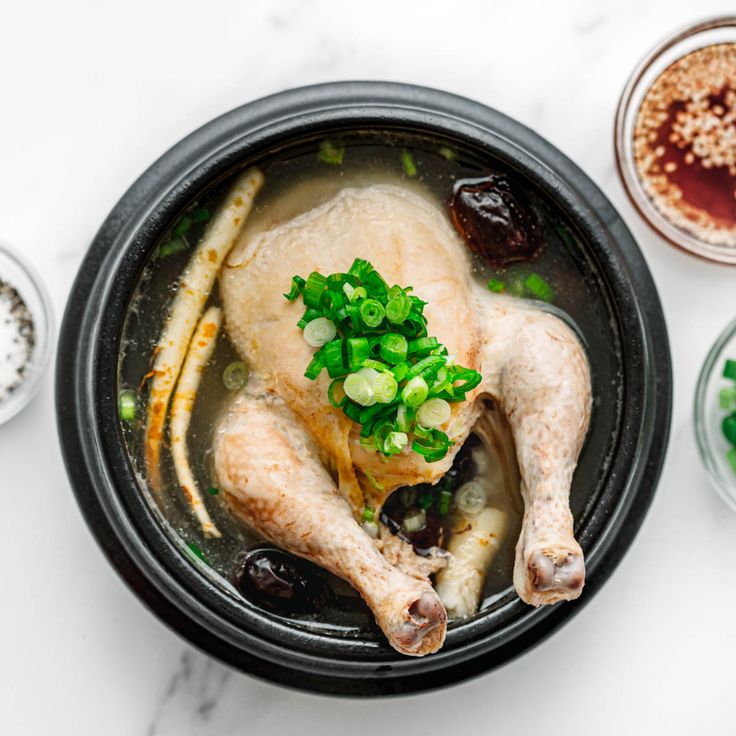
<point>91,93</point>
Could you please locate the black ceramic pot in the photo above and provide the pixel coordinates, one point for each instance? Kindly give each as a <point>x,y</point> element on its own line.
<point>123,522</point>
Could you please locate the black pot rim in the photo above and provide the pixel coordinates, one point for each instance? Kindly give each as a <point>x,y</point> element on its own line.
<point>128,530</point>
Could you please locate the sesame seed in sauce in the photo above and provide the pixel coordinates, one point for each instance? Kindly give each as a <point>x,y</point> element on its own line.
<point>685,143</point>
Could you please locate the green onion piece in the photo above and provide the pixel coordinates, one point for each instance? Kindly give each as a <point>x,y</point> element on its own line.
<point>728,425</point>
<point>171,247</point>
<point>496,286</point>
<point>727,398</point>
<point>433,413</point>
<point>367,443</point>
<point>414,521</point>
<point>415,392</point>
<point>423,345</point>
<point>444,502</point>
<point>352,410</point>
<point>319,332</point>
<point>432,448</point>
<point>235,375</point>
<point>368,417</point>
<point>447,153</point>
<point>333,358</point>
<point>307,317</point>
<point>731,457</point>
<point>404,418</point>
<point>359,293</point>
<point>201,214</point>
<point>372,312</point>
<point>515,286</point>
<point>427,367</point>
<point>360,268</point>
<point>375,365</point>
<point>426,499</point>
<point>368,514</point>
<point>539,287</point>
<point>330,153</point>
<point>213,491</point>
<point>315,366</point>
<point>358,351</point>
<point>408,164</point>
<point>373,481</point>
<point>395,442</point>
<point>182,227</point>
<point>297,286</point>
<point>359,390</point>
<point>375,286</point>
<point>470,379</point>
<point>197,552</point>
<point>471,497</point>
<point>348,290</point>
<point>729,370</point>
<point>316,283</point>
<point>384,387</point>
<point>393,347</point>
<point>127,405</point>
<point>398,307</point>
<point>331,302</point>
<point>336,393</point>
<point>400,370</point>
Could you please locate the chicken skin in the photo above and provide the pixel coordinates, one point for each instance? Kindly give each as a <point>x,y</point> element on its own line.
<point>292,466</point>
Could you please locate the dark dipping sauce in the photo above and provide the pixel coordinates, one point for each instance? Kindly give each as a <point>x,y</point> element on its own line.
<point>685,143</point>
<point>240,562</point>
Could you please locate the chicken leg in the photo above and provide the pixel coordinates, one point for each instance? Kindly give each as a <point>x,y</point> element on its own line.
<point>539,374</point>
<point>273,479</point>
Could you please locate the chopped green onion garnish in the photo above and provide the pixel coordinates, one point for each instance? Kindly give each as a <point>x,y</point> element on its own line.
<point>393,347</point>
<point>496,286</point>
<point>727,398</point>
<point>729,427</point>
<point>414,521</point>
<point>373,341</point>
<point>201,214</point>
<point>447,153</point>
<point>127,405</point>
<point>319,332</point>
<point>197,552</point>
<point>539,287</point>
<point>315,284</point>
<point>372,312</point>
<point>423,345</point>
<point>336,393</point>
<point>330,153</point>
<point>235,376</point>
<point>444,502</point>
<point>213,491</point>
<point>407,163</point>
<point>297,286</point>
<point>182,227</point>
<point>434,447</point>
<point>368,514</point>
<point>731,457</point>
<point>729,370</point>
<point>175,245</point>
<point>415,392</point>
<point>358,389</point>
<point>433,413</point>
<point>384,387</point>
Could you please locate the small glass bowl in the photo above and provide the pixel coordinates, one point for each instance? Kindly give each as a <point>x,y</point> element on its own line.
<point>16,272</point>
<point>688,39</point>
<point>708,415</point>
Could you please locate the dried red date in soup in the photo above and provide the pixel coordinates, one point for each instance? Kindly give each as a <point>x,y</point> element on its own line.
<point>277,580</point>
<point>496,219</point>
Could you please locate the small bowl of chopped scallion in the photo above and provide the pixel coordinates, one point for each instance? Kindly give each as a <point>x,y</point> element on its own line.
<point>715,414</point>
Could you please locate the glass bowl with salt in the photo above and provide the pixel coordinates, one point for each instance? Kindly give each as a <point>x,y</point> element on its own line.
<point>25,333</point>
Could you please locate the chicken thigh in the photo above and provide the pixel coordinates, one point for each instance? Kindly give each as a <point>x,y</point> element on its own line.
<point>292,466</point>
